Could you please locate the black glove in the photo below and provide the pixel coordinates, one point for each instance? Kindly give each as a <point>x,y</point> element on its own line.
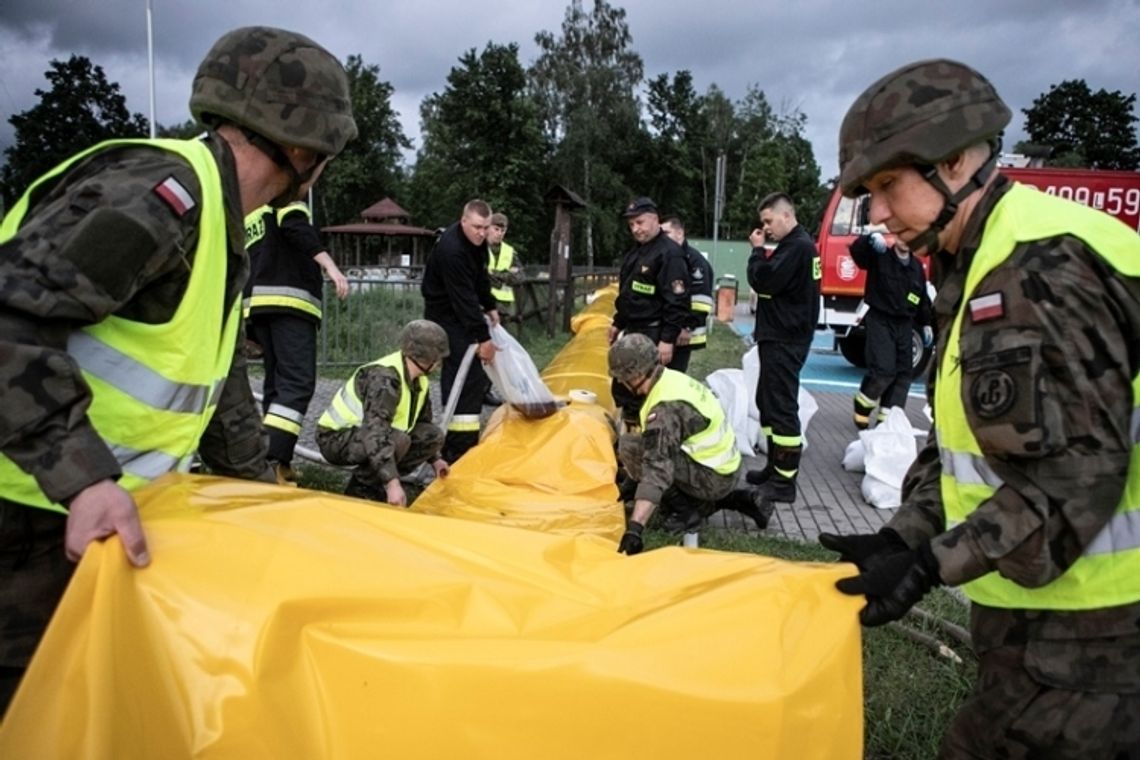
<point>893,583</point>
<point>859,548</point>
<point>631,541</point>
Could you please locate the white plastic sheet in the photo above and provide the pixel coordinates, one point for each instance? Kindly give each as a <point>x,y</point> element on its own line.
<point>889,450</point>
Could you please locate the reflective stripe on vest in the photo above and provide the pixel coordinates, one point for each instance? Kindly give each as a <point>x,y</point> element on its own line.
<point>701,303</point>
<point>1108,572</point>
<point>715,446</point>
<point>503,262</point>
<point>347,411</point>
<point>153,387</point>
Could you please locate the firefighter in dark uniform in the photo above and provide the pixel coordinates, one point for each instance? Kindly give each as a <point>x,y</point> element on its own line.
<point>282,306</point>
<point>685,447</point>
<point>457,297</point>
<point>653,295</point>
<point>786,282</point>
<point>1027,494</point>
<point>120,313</point>
<point>380,421</point>
<point>896,294</point>
<point>700,290</point>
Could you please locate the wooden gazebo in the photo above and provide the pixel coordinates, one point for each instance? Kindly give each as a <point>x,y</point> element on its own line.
<point>383,240</point>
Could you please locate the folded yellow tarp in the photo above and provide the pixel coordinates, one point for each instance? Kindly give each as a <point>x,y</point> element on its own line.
<point>557,474</point>
<point>285,623</point>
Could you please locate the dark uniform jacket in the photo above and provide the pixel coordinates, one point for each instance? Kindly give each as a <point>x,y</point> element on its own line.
<point>786,281</point>
<point>894,288</point>
<point>456,288</point>
<point>101,241</point>
<point>284,258</point>
<point>1062,450</point>
<point>700,282</point>
<point>653,291</point>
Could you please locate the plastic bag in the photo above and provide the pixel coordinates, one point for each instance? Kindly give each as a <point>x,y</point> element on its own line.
<point>516,378</point>
<point>890,450</point>
<point>853,457</point>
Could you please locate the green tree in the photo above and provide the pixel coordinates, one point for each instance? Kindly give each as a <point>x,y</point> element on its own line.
<point>80,109</point>
<point>1084,128</point>
<point>371,166</point>
<point>482,138</point>
<point>586,81</point>
<point>187,130</point>
<point>675,174</point>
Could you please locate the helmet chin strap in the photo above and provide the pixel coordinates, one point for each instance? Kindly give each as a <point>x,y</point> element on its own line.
<point>275,154</point>
<point>928,239</point>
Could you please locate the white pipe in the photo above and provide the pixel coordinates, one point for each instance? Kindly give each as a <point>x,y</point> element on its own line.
<point>457,386</point>
<point>150,66</point>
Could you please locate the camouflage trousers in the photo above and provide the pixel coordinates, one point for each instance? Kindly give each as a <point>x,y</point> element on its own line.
<point>1013,713</point>
<point>354,447</point>
<point>703,486</point>
<point>34,573</point>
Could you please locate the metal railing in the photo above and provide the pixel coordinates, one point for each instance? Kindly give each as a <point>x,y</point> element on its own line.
<point>366,325</point>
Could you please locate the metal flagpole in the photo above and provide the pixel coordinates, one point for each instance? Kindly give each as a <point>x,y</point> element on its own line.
<point>150,66</point>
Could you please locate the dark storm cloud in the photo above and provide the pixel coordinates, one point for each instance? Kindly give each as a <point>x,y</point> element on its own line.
<point>812,55</point>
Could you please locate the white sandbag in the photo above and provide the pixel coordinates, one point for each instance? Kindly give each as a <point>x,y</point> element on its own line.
<point>853,457</point>
<point>889,450</point>
<point>730,388</point>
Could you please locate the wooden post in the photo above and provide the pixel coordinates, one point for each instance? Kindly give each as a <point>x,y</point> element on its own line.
<point>565,202</point>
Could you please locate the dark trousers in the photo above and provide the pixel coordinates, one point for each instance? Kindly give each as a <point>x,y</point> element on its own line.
<point>463,430</point>
<point>778,389</point>
<point>289,344</point>
<point>889,355</point>
<point>34,573</point>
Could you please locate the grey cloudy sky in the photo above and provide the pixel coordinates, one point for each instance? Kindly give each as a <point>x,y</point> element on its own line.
<point>814,55</point>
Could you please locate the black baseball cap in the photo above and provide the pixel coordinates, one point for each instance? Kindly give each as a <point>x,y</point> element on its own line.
<point>638,206</point>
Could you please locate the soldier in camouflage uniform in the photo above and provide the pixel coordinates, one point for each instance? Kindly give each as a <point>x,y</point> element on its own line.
<point>120,280</point>
<point>380,420</point>
<point>1028,491</point>
<point>685,449</point>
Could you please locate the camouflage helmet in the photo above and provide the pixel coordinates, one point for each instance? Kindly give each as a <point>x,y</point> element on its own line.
<point>279,84</point>
<point>424,342</point>
<point>631,357</point>
<point>922,113</point>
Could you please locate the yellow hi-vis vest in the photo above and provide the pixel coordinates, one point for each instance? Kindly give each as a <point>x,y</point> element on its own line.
<point>347,411</point>
<point>277,283</point>
<point>504,262</point>
<point>715,446</point>
<point>153,387</point>
<point>1108,572</point>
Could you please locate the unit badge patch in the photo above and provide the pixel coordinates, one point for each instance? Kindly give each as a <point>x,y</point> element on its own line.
<point>993,393</point>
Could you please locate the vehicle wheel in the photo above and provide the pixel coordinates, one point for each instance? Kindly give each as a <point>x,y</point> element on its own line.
<point>854,349</point>
<point>920,355</point>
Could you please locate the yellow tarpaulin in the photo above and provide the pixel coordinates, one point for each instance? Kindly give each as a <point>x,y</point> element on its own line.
<point>285,623</point>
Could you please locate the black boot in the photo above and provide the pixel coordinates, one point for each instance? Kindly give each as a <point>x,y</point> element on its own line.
<point>781,484</point>
<point>680,512</point>
<point>748,502</point>
<point>361,490</point>
<point>759,477</point>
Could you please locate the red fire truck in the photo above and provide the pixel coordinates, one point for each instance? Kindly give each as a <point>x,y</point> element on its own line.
<point>841,289</point>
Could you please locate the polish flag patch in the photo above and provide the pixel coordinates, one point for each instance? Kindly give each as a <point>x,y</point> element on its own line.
<point>175,195</point>
<point>987,307</point>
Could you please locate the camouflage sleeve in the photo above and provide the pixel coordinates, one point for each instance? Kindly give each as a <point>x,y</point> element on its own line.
<point>86,249</point>
<point>379,392</point>
<point>667,425</point>
<point>425,419</point>
<point>233,443</point>
<point>1047,391</point>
